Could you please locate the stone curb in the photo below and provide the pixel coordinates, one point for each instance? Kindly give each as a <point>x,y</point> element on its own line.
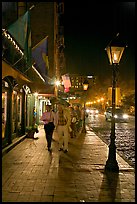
<point>13,144</point>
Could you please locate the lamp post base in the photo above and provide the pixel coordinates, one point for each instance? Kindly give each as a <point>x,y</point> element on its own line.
<point>112,166</point>
<point>111,163</point>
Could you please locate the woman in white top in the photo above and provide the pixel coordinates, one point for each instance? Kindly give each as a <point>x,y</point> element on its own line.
<point>48,116</point>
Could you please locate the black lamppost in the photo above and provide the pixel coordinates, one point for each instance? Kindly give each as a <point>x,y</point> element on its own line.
<point>85,88</point>
<point>114,51</point>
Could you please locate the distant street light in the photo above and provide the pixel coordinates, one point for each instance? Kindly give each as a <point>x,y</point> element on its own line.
<point>57,83</point>
<point>114,52</point>
<point>85,88</point>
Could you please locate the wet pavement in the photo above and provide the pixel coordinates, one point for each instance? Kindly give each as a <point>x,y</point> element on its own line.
<point>32,174</point>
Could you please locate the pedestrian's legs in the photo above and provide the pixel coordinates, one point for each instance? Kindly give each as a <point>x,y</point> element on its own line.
<point>77,126</point>
<point>48,140</point>
<point>75,129</point>
<point>48,136</point>
<point>72,133</point>
<point>60,135</point>
<point>66,136</point>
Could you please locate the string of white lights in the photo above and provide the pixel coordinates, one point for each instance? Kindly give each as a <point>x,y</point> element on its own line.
<point>8,36</point>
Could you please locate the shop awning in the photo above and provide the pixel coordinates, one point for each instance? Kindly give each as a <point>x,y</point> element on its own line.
<point>59,100</point>
<point>35,84</point>
<point>8,70</point>
<point>42,89</point>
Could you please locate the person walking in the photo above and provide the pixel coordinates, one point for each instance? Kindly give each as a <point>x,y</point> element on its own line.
<point>62,123</point>
<point>48,117</point>
<point>82,119</point>
<point>73,122</point>
<point>78,114</point>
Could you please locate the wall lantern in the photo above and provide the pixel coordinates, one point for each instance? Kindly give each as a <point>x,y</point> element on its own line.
<point>85,85</point>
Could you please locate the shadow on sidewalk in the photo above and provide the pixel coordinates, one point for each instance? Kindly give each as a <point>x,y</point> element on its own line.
<point>110,188</point>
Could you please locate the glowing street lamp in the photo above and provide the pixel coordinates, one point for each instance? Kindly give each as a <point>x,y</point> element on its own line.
<point>114,52</point>
<point>85,85</point>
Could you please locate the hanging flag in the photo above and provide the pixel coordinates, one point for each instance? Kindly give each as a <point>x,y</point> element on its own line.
<point>40,56</point>
<point>66,81</point>
<point>21,32</point>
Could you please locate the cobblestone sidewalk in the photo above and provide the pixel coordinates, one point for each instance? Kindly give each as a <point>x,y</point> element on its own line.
<point>31,174</point>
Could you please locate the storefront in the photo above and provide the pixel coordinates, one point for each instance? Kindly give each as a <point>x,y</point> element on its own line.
<point>4,106</point>
<point>22,102</point>
<point>11,110</point>
<point>13,104</point>
<point>40,97</point>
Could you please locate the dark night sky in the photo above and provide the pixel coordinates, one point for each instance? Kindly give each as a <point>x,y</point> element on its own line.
<point>89,27</point>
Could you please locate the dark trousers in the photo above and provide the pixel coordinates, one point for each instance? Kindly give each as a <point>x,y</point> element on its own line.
<point>78,125</point>
<point>74,129</point>
<point>49,134</point>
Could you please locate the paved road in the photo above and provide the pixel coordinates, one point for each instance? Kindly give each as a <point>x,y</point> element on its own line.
<point>31,174</point>
<point>125,135</point>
